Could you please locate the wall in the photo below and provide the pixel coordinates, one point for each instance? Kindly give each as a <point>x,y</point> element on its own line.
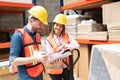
<point>53,8</point>
<point>10,21</point>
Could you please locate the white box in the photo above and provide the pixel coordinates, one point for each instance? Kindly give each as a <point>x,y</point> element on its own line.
<point>111,13</point>
<point>104,63</point>
<point>67,2</point>
<point>115,26</point>
<point>73,19</point>
<point>82,35</point>
<point>102,36</point>
<point>91,27</point>
<point>71,29</point>
<point>114,35</point>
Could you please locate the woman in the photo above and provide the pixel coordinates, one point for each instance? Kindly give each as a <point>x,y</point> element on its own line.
<point>58,41</point>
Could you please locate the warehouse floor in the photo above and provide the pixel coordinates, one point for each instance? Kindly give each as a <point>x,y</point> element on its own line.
<point>46,77</point>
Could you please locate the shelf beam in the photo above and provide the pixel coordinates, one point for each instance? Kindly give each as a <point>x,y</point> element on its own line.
<point>81,41</point>
<point>13,4</point>
<point>85,41</point>
<point>79,4</point>
<point>5,45</point>
<point>14,7</point>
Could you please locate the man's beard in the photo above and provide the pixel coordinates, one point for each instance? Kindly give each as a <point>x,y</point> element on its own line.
<point>37,30</point>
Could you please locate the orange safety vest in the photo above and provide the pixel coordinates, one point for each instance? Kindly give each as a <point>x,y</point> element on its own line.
<point>33,69</point>
<point>57,68</point>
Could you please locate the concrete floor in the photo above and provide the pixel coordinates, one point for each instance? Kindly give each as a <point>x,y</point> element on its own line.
<point>46,77</point>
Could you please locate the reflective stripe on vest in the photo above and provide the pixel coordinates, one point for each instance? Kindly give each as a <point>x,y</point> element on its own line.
<point>57,68</point>
<point>31,53</point>
<point>33,69</point>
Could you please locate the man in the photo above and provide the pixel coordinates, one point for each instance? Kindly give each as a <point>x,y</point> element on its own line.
<point>25,43</point>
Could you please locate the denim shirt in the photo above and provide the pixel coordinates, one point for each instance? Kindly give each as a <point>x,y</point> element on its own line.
<point>17,50</point>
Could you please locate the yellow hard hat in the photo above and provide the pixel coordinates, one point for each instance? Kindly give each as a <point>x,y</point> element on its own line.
<point>60,18</point>
<point>40,13</point>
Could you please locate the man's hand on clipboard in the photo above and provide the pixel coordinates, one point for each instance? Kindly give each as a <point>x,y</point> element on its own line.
<point>40,56</point>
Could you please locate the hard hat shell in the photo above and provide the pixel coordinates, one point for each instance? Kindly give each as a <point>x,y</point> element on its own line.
<point>40,13</point>
<point>60,18</point>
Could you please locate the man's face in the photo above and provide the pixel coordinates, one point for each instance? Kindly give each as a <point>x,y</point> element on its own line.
<point>37,25</point>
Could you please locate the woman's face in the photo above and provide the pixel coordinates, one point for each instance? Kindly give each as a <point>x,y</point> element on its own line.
<point>58,28</point>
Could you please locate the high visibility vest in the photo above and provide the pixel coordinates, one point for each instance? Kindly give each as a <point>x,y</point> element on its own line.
<point>57,68</point>
<point>35,68</point>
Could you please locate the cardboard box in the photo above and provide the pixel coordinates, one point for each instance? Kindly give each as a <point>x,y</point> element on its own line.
<point>91,27</point>
<point>82,35</point>
<point>71,29</point>
<point>102,36</point>
<point>67,2</point>
<point>104,63</point>
<point>113,26</point>
<point>111,12</point>
<point>114,35</point>
<point>84,27</point>
<point>73,19</point>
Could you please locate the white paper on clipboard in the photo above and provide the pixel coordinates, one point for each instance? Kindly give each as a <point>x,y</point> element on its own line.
<point>62,56</point>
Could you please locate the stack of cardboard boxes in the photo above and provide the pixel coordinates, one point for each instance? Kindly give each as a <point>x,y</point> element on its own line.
<point>91,30</point>
<point>111,18</point>
<point>71,26</point>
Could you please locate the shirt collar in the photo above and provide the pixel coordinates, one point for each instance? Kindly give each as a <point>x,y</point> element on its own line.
<point>28,31</point>
<point>56,37</point>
